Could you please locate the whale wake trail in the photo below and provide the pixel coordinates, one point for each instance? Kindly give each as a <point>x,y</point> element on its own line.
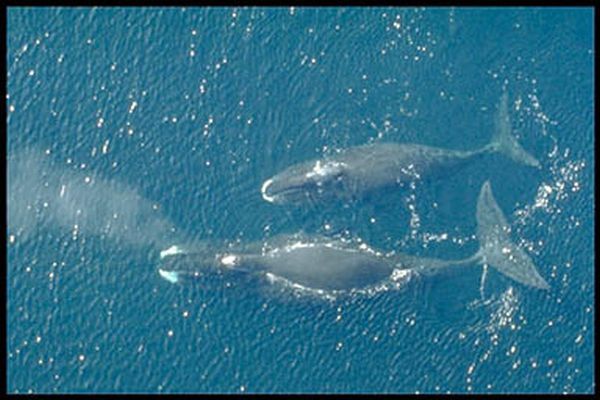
<point>45,196</point>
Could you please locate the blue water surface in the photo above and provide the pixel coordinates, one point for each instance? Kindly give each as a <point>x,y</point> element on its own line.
<point>130,130</point>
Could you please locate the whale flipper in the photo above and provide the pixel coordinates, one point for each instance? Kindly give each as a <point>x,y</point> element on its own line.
<point>504,142</point>
<point>496,248</point>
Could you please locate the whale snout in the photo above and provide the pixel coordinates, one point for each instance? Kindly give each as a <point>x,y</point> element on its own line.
<point>278,190</point>
<point>286,188</point>
<point>304,182</point>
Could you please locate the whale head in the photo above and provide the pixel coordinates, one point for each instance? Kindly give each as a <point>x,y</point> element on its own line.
<point>304,182</point>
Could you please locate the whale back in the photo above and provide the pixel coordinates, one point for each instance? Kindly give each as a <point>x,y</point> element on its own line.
<point>326,266</point>
<point>398,163</point>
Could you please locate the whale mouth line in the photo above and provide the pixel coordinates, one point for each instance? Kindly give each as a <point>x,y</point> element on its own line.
<point>263,191</point>
<point>282,194</point>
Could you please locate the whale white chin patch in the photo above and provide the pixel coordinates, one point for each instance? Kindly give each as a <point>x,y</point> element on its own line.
<point>171,251</point>
<point>263,191</point>
<point>170,276</point>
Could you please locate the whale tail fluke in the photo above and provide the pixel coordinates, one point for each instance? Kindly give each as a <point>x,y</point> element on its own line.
<point>496,248</point>
<point>504,142</point>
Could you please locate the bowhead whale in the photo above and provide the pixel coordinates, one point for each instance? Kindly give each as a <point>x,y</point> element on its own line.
<point>331,264</point>
<point>358,170</point>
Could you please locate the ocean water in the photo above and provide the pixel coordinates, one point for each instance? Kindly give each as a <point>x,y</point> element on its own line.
<point>130,130</point>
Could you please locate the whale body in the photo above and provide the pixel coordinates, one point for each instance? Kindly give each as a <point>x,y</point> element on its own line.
<point>355,171</point>
<point>323,263</point>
